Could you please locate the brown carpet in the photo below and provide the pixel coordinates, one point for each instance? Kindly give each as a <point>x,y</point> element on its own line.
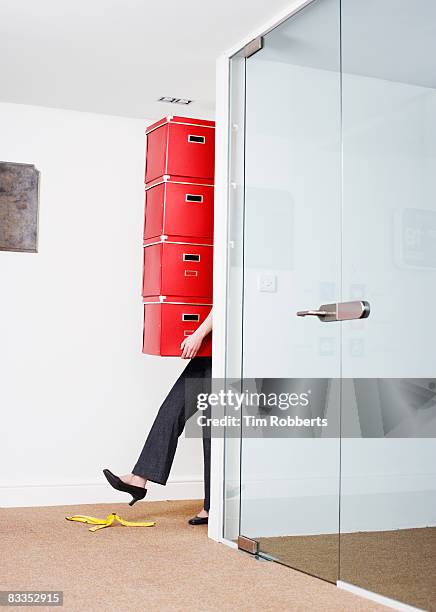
<point>398,564</point>
<point>315,555</point>
<point>170,567</point>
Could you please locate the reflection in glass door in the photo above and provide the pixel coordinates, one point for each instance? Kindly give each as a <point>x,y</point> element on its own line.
<point>388,479</point>
<point>338,168</point>
<point>290,476</point>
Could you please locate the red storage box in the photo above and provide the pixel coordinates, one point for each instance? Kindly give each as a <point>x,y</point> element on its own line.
<point>179,207</point>
<point>168,323</point>
<point>180,146</point>
<point>177,268</point>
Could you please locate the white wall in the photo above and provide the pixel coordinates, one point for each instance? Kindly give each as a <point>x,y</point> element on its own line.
<point>77,395</point>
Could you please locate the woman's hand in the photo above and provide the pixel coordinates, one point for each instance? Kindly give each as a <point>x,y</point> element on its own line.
<point>191,345</point>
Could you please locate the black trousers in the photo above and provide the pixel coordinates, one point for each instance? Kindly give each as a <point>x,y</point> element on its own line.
<point>157,456</point>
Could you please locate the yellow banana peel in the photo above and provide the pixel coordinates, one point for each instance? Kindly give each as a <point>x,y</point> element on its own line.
<point>107,522</point>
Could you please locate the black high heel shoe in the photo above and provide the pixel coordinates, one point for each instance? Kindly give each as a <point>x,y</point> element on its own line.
<point>199,520</point>
<point>137,493</point>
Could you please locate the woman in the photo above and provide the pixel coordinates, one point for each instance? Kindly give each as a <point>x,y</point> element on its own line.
<point>155,461</point>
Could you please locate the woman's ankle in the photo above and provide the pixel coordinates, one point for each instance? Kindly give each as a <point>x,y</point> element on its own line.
<point>133,479</point>
<point>138,481</point>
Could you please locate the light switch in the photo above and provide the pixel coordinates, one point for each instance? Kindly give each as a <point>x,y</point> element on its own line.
<point>267,283</point>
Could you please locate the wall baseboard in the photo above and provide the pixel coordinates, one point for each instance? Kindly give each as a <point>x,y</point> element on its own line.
<point>93,493</point>
<point>381,599</point>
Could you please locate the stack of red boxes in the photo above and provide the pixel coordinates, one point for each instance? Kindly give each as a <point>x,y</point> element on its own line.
<point>178,232</point>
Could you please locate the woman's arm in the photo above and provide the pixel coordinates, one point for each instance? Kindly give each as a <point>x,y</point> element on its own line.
<point>191,345</point>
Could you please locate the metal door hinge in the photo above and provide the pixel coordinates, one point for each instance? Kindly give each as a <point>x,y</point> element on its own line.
<point>253,47</point>
<point>248,545</point>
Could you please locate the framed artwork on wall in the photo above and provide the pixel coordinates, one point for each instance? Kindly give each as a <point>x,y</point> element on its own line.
<point>19,203</point>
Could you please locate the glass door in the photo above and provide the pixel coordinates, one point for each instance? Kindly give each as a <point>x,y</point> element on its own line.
<point>291,260</point>
<point>334,272</point>
<point>388,480</point>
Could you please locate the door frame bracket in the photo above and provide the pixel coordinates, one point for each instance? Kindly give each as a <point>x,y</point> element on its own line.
<point>248,545</point>
<point>253,47</point>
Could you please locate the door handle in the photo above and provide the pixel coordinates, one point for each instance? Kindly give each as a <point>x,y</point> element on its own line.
<point>339,311</point>
<point>312,313</point>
